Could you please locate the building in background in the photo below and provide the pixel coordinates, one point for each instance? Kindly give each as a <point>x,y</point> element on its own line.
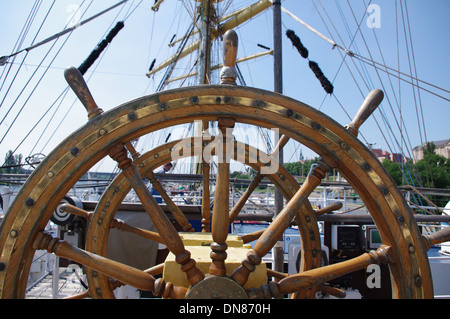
<point>394,157</point>
<point>442,148</point>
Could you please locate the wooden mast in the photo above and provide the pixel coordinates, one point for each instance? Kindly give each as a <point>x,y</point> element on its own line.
<point>235,20</point>
<point>204,58</point>
<point>278,250</point>
<point>204,75</point>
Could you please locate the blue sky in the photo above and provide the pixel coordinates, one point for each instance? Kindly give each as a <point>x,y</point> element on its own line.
<point>120,75</point>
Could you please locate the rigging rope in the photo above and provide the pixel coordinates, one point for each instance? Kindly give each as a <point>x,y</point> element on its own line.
<point>23,61</point>
<point>171,67</point>
<point>371,62</point>
<point>35,87</point>
<point>68,30</point>
<point>383,115</point>
<point>362,76</point>
<point>66,90</point>
<point>21,38</point>
<point>62,96</point>
<point>388,100</point>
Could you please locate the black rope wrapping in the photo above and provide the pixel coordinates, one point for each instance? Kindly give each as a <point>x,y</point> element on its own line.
<point>152,65</point>
<point>297,43</point>
<point>326,84</point>
<point>100,48</point>
<point>263,46</point>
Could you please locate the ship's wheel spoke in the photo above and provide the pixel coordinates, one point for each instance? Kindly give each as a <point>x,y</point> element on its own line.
<point>177,213</point>
<point>174,209</point>
<point>83,295</point>
<point>248,238</point>
<point>153,271</point>
<point>160,288</point>
<point>220,216</point>
<point>162,223</point>
<point>254,183</point>
<point>276,229</point>
<point>115,223</point>
<point>111,268</point>
<point>328,209</point>
<point>206,167</point>
<point>206,204</point>
<point>234,212</point>
<point>316,277</point>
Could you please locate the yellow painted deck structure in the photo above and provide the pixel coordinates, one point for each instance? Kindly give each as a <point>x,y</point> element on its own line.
<point>199,246</point>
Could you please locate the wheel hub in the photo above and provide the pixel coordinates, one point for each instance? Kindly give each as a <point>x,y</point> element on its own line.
<point>213,287</point>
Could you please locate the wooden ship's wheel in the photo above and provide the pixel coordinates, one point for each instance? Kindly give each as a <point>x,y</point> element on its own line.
<point>110,133</point>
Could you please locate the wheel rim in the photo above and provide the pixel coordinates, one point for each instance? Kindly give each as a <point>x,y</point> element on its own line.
<point>35,202</point>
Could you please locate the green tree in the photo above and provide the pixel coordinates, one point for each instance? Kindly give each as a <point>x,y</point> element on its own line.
<point>13,163</point>
<point>433,171</point>
<point>394,170</point>
<point>240,175</point>
<point>300,168</point>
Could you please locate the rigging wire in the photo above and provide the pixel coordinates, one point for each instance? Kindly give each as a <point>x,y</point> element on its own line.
<point>29,80</point>
<point>397,37</point>
<point>385,68</point>
<point>21,39</point>
<point>384,117</point>
<point>47,68</point>
<point>66,30</point>
<point>163,134</point>
<point>401,126</point>
<point>66,90</point>
<point>20,67</point>
<point>367,86</point>
<point>414,93</point>
<point>343,62</point>
<point>55,37</point>
<point>38,122</point>
<point>116,169</point>
<point>335,45</point>
<point>132,11</point>
<point>415,67</point>
<point>150,43</point>
<point>149,141</point>
<point>34,89</point>
<point>371,62</point>
<point>63,95</point>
